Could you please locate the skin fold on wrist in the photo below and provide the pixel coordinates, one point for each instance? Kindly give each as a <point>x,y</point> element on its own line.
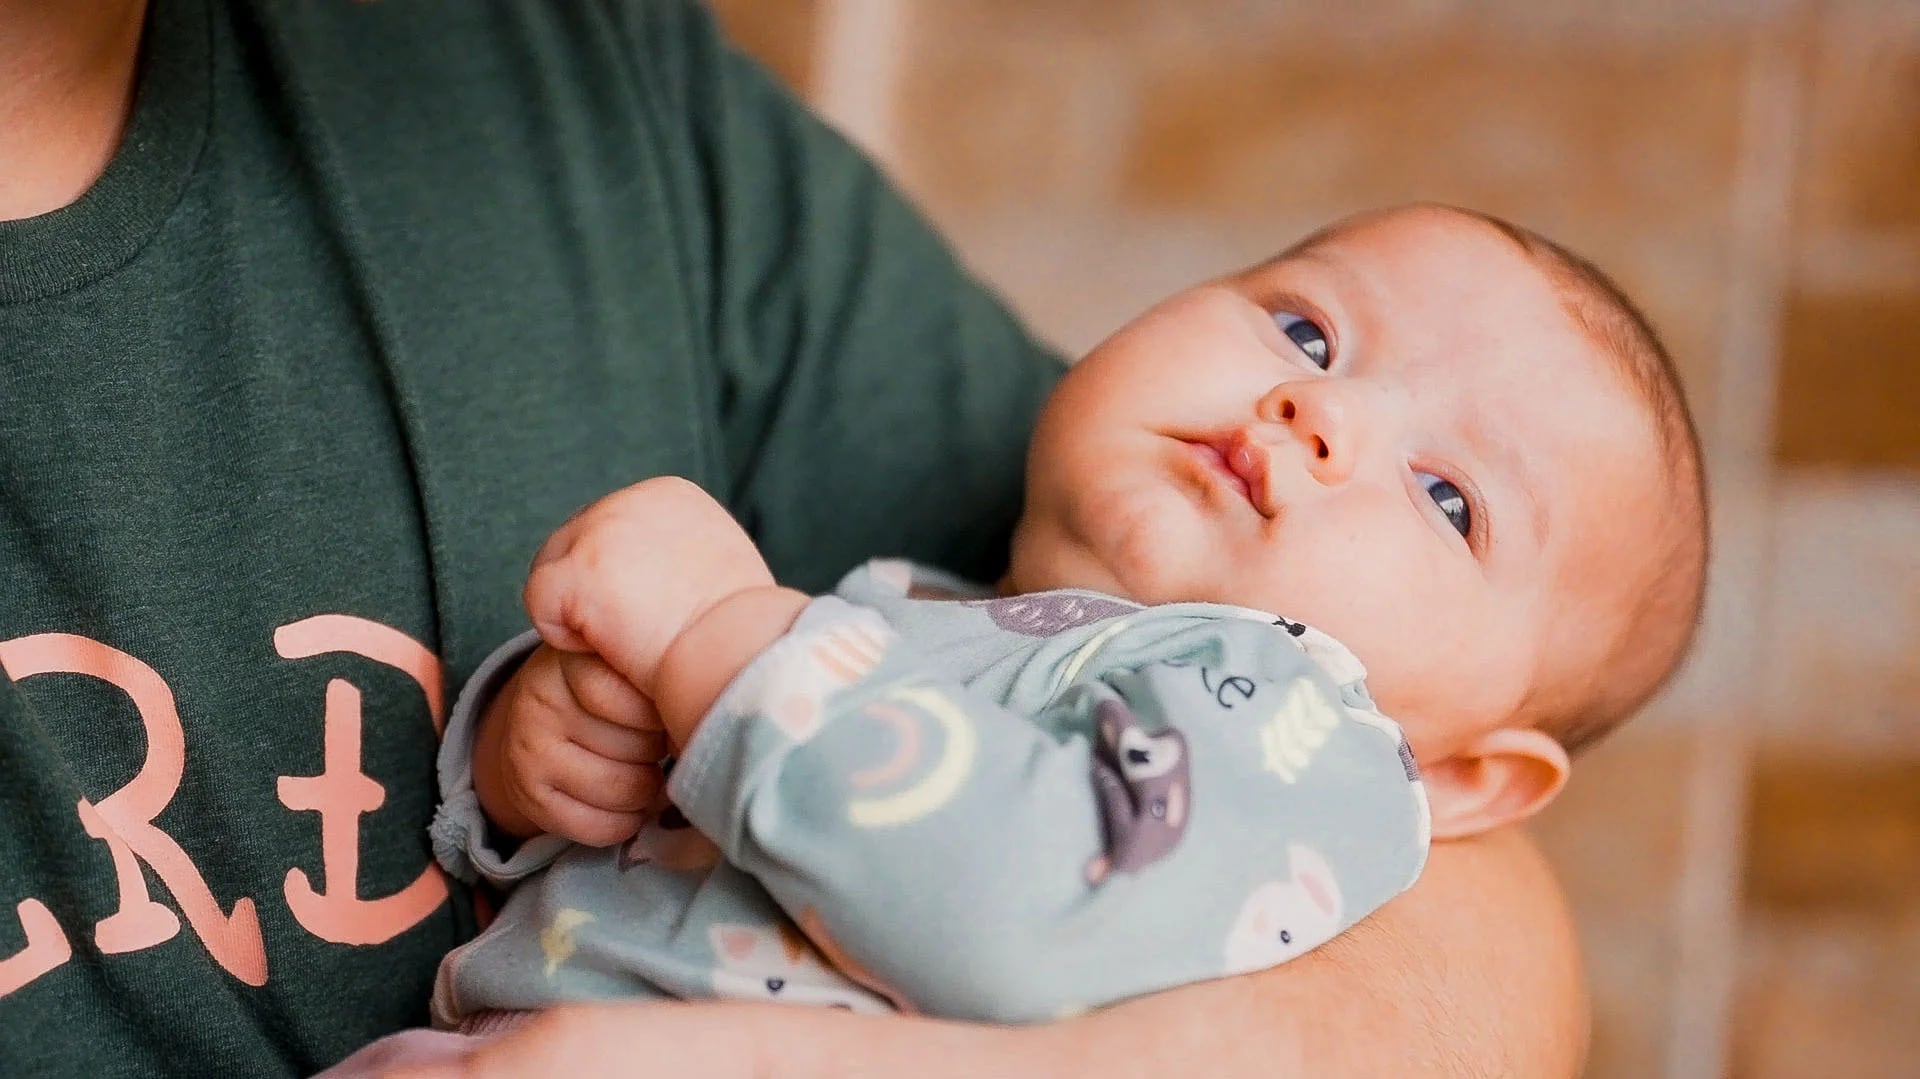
<point>713,649</point>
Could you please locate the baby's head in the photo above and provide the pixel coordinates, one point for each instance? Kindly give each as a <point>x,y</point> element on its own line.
<point>1446,441</point>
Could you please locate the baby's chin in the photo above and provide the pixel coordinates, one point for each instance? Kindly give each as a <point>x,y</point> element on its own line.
<point>1053,563</point>
<point>1044,558</point>
<point>1146,543</point>
<point>1041,563</point>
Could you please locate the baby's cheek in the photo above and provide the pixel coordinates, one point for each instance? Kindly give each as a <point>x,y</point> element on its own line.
<point>1480,676</point>
<point>1426,650</point>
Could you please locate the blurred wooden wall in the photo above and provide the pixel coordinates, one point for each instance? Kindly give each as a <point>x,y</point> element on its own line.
<point>1745,860</point>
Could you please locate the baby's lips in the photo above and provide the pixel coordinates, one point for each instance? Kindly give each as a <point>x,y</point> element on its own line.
<point>1248,458</point>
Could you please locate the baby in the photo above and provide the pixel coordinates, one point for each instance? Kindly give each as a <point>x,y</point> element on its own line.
<point>1421,440</point>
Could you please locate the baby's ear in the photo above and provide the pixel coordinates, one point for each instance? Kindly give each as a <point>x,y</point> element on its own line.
<point>1501,777</point>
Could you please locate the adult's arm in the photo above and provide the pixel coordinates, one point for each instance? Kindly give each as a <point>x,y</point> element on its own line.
<point>874,398</point>
<point>1473,972</point>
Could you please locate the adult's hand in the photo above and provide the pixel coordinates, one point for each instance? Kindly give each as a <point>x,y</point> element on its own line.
<point>1474,972</point>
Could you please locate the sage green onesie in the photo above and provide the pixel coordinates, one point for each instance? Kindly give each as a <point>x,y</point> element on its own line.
<point>1008,809</point>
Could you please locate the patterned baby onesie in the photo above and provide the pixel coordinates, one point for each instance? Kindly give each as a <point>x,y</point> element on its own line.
<point>1008,809</point>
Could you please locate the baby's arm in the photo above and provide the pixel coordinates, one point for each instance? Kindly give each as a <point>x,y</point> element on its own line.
<point>570,744</point>
<point>1166,822</point>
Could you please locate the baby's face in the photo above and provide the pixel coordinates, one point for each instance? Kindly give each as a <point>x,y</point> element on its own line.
<point>1398,436</point>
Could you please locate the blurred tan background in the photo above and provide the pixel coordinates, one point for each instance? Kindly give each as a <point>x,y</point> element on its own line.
<point>1745,860</point>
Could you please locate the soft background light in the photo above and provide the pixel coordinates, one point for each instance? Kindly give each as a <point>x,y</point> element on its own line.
<point>1744,860</point>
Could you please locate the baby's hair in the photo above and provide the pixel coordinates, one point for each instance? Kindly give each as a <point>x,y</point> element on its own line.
<point>1663,616</point>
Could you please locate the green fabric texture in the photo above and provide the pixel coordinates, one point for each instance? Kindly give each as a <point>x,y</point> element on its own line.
<point>371,297</point>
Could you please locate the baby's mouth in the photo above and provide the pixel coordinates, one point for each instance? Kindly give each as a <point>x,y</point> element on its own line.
<point>1237,460</point>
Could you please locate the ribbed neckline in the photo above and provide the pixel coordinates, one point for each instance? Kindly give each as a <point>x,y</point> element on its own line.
<point>80,243</point>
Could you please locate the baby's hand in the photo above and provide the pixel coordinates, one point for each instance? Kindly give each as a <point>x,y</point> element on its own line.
<point>570,748</point>
<point>625,577</point>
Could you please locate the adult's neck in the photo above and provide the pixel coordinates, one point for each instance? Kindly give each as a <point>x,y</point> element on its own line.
<point>66,89</point>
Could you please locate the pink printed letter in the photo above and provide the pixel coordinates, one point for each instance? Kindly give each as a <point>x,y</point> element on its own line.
<point>342,792</point>
<point>123,820</point>
<point>47,947</point>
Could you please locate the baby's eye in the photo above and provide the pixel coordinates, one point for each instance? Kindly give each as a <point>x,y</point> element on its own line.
<point>1307,336</point>
<point>1450,500</point>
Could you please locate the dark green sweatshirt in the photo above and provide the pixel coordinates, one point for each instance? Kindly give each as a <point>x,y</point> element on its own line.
<point>372,296</point>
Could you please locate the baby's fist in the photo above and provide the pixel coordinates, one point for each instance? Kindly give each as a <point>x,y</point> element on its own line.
<point>624,576</point>
<point>568,748</point>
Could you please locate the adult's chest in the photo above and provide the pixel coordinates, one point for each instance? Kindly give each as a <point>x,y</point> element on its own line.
<point>321,392</point>
<point>267,493</point>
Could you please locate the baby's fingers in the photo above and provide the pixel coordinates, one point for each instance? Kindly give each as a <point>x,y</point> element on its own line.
<point>615,786</point>
<point>558,812</point>
<point>601,691</point>
<point>615,742</point>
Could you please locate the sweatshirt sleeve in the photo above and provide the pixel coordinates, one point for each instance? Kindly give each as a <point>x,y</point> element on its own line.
<point>1207,807</point>
<point>842,327</point>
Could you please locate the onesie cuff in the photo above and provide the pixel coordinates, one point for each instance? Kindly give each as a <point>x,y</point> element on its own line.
<point>460,835</point>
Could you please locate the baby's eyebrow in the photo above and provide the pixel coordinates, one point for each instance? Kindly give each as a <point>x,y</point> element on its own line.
<point>1518,468</point>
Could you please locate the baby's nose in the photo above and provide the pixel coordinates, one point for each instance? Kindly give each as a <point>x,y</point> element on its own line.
<point>1317,416</point>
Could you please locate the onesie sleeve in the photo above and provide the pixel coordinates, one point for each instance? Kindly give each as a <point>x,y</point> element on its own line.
<point>1197,799</point>
<point>462,840</point>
